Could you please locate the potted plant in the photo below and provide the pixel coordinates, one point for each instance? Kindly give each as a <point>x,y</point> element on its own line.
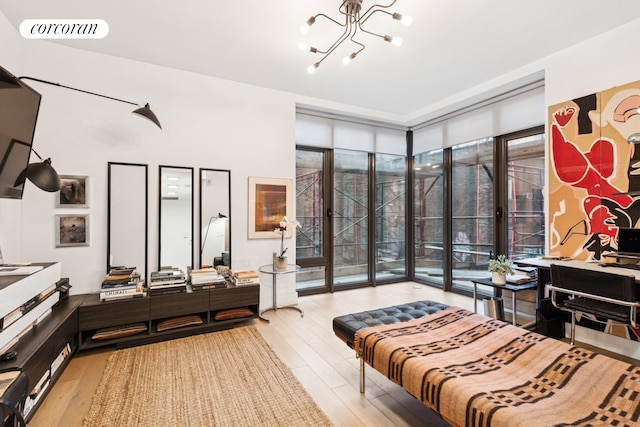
<point>499,268</point>
<point>279,260</point>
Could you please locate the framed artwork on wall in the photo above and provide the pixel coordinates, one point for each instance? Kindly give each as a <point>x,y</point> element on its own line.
<point>74,192</point>
<point>72,230</point>
<point>270,200</point>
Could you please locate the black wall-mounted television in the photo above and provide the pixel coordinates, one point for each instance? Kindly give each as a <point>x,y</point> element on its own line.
<point>19,107</point>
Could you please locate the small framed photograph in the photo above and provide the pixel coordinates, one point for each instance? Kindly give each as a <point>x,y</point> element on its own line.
<point>72,230</point>
<point>74,192</point>
<point>270,200</point>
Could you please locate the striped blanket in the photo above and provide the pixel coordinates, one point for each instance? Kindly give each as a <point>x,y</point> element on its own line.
<point>478,371</point>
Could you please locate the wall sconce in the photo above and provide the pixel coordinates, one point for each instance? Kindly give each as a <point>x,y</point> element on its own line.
<point>42,174</point>
<point>142,111</point>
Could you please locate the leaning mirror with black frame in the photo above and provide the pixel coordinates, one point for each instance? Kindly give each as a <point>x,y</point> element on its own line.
<point>215,217</point>
<point>175,244</point>
<point>127,213</point>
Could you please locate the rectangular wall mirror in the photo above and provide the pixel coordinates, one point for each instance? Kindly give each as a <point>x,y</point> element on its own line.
<point>127,213</point>
<point>175,245</point>
<point>215,217</point>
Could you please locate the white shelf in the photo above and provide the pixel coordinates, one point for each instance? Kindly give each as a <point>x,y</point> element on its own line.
<point>27,320</point>
<point>26,287</point>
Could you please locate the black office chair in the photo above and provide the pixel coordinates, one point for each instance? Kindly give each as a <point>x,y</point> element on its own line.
<point>602,294</point>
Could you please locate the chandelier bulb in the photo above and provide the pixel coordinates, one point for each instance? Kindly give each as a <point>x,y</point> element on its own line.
<point>404,19</point>
<point>306,48</point>
<point>304,28</point>
<point>347,59</point>
<point>312,68</point>
<point>393,40</point>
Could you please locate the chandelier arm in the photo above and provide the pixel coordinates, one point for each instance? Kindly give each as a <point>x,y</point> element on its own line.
<point>369,32</point>
<point>358,43</point>
<point>330,19</point>
<point>370,11</point>
<point>366,17</point>
<point>348,32</point>
<point>343,8</point>
<point>345,35</point>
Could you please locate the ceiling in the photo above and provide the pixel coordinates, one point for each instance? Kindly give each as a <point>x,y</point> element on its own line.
<point>452,45</point>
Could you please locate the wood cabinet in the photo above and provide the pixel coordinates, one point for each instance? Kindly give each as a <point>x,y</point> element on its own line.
<point>44,351</point>
<point>46,348</point>
<point>94,314</point>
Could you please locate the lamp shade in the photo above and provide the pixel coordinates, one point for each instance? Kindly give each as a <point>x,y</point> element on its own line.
<point>146,112</point>
<point>44,176</point>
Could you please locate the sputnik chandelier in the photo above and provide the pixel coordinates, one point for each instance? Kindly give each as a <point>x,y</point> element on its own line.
<point>353,22</point>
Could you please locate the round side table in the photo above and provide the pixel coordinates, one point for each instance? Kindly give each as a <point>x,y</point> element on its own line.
<point>270,269</point>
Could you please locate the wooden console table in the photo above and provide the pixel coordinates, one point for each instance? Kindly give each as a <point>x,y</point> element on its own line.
<point>94,314</point>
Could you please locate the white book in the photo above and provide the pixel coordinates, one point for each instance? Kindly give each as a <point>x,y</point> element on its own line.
<point>57,362</point>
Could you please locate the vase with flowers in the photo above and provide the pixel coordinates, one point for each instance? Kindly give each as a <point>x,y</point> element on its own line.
<point>279,259</point>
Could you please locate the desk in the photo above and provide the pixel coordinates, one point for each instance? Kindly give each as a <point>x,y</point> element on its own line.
<point>274,272</point>
<point>513,287</point>
<point>544,270</point>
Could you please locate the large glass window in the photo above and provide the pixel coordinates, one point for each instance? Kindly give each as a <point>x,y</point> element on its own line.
<point>309,203</point>
<point>390,216</point>
<point>429,215</point>
<point>465,211</point>
<point>525,202</point>
<point>471,210</point>
<point>311,253</point>
<point>350,217</point>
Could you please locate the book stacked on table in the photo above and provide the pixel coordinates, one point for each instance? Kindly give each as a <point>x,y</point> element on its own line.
<point>245,277</point>
<point>522,274</point>
<point>122,283</point>
<point>167,280</point>
<point>206,278</point>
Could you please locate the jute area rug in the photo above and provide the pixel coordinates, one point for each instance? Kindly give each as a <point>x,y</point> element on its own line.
<point>226,378</point>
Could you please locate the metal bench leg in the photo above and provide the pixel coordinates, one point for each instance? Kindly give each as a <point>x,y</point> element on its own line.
<point>573,327</point>
<point>361,375</point>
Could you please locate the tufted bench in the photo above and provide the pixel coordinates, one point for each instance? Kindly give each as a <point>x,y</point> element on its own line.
<point>345,327</point>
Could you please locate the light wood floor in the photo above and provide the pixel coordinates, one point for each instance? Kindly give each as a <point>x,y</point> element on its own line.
<point>325,365</point>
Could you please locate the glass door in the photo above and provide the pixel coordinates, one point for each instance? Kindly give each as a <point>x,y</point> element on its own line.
<point>524,227</point>
<point>472,219</point>
<point>390,209</point>
<point>350,218</point>
<point>429,208</point>
<point>313,252</point>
